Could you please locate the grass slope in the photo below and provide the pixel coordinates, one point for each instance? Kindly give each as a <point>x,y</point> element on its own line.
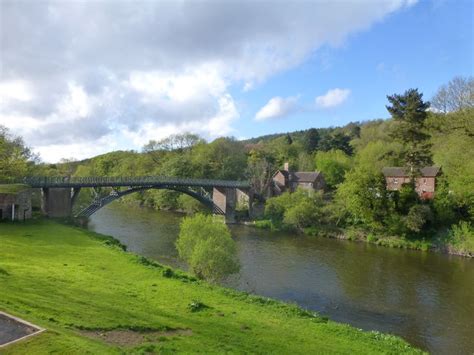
<point>13,188</point>
<point>66,279</point>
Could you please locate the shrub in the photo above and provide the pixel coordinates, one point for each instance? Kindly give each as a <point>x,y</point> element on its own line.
<point>300,209</point>
<point>304,214</point>
<point>206,245</point>
<point>371,238</point>
<point>264,224</point>
<point>462,237</point>
<point>196,306</point>
<point>417,218</point>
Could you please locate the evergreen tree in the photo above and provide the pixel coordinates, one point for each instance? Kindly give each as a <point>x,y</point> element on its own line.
<point>311,140</point>
<point>410,113</point>
<point>289,140</point>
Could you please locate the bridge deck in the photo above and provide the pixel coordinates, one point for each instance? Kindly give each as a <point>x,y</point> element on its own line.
<point>108,181</point>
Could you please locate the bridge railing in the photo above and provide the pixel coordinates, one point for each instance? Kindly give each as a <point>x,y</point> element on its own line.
<point>117,181</point>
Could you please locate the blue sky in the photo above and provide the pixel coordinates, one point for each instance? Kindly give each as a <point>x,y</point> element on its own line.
<point>421,47</point>
<point>79,79</point>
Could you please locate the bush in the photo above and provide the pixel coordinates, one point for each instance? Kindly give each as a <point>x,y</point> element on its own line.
<point>300,209</point>
<point>207,247</point>
<point>371,238</point>
<point>196,306</point>
<point>461,237</point>
<point>418,217</point>
<point>264,224</point>
<point>304,214</point>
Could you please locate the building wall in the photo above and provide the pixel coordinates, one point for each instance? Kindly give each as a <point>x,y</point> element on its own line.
<point>320,183</point>
<point>424,186</point>
<point>22,202</point>
<point>394,183</point>
<point>280,178</point>
<point>280,185</point>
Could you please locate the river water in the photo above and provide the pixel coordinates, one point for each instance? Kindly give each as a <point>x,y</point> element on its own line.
<point>426,298</point>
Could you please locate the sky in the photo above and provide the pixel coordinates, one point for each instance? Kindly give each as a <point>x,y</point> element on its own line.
<point>81,78</point>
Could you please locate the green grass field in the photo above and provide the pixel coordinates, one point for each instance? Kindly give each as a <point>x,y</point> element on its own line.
<point>76,283</point>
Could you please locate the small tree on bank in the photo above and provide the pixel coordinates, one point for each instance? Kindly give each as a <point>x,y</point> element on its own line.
<point>206,245</point>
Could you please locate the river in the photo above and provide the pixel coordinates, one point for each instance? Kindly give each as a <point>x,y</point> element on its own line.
<point>426,298</point>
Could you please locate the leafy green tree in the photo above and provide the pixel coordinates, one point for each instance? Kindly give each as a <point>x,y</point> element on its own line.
<point>206,245</point>
<point>16,158</point>
<point>444,203</point>
<point>364,196</point>
<point>305,162</point>
<point>224,158</point>
<point>333,164</point>
<point>299,209</point>
<point>305,213</point>
<point>406,197</point>
<point>410,113</point>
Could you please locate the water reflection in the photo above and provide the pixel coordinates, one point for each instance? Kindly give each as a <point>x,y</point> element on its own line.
<point>426,298</point>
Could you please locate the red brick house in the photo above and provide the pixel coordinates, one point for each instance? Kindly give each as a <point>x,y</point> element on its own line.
<point>286,180</point>
<point>425,184</point>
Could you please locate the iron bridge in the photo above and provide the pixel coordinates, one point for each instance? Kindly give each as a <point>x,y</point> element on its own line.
<point>196,188</point>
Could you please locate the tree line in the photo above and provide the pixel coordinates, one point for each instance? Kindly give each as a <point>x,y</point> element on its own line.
<point>350,157</point>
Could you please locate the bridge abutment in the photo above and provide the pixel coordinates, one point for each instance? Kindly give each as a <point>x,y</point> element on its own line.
<point>56,202</point>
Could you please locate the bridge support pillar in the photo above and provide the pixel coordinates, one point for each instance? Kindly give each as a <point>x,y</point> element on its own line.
<point>56,202</point>
<point>226,200</point>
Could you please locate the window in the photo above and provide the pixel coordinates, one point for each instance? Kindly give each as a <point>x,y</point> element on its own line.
<point>395,181</point>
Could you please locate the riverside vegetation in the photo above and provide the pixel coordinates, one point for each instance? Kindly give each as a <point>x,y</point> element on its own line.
<point>357,204</point>
<point>119,302</point>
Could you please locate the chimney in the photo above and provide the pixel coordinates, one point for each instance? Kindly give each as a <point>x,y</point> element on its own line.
<point>286,166</point>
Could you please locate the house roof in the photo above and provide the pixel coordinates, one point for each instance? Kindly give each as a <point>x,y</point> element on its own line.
<point>299,176</point>
<point>284,172</point>
<point>428,171</point>
<point>305,176</point>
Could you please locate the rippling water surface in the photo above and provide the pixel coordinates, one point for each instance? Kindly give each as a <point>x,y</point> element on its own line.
<point>426,298</point>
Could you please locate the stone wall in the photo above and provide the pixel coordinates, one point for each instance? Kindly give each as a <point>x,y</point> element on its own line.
<point>57,202</point>
<point>22,203</point>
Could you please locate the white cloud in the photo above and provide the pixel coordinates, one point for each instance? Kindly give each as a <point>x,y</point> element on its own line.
<point>277,107</point>
<point>15,90</point>
<point>73,73</point>
<point>332,98</point>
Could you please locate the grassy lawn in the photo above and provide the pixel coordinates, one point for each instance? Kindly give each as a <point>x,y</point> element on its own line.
<point>78,284</point>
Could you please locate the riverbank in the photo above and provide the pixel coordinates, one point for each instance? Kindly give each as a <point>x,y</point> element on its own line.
<point>91,296</point>
<point>441,243</point>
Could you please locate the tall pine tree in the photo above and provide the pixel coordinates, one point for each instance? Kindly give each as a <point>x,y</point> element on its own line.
<point>410,113</point>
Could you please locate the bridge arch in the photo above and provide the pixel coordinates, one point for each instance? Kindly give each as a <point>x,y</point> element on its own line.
<point>115,195</point>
